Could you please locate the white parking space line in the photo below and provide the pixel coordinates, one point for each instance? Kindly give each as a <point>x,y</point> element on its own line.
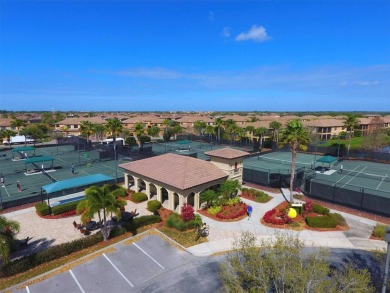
<point>149,256</point>
<point>77,282</point>
<point>120,273</point>
<point>27,289</point>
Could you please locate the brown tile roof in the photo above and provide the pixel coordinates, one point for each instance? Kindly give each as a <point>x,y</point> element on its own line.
<point>325,123</point>
<point>175,170</point>
<point>227,153</point>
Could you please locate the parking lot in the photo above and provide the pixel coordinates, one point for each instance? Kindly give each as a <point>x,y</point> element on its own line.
<point>130,268</point>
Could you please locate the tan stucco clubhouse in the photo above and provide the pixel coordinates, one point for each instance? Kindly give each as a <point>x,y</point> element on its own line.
<point>175,180</point>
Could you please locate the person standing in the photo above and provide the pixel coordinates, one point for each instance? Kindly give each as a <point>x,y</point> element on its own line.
<point>341,169</point>
<point>19,186</point>
<point>72,168</point>
<point>249,211</point>
<point>2,180</point>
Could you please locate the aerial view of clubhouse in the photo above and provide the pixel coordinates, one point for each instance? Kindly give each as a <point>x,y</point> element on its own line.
<point>170,187</point>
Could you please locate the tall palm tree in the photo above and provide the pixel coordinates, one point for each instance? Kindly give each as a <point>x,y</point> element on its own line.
<point>275,126</point>
<point>249,131</point>
<point>17,123</point>
<point>297,137</point>
<point>65,129</point>
<point>98,130</point>
<point>350,123</point>
<point>200,126</point>
<point>260,132</point>
<point>101,201</point>
<point>86,128</point>
<point>210,130</point>
<point>166,123</point>
<point>8,230</point>
<point>139,130</point>
<point>114,127</point>
<point>219,124</point>
<point>154,131</point>
<point>7,134</point>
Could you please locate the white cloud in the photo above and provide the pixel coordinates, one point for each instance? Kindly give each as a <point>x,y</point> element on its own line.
<point>360,83</point>
<point>256,34</point>
<point>226,32</point>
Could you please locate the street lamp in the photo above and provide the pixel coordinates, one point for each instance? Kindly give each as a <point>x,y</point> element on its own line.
<point>387,239</point>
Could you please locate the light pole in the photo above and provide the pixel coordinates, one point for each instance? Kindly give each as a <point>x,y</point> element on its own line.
<point>338,149</point>
<point>387,239</point>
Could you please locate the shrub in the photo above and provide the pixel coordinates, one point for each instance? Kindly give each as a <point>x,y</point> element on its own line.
<point>64,208</point>
<point>262,198</point>
<point>42,208</point>
<point>153,205</point>
<point>320,209</point>
<point>175,221</point>
<point>379,231</point>
<point>338,218</point>
<point>233,201</point>
<point>187,213</point>
<point>139,197</point>
<point>214,210</point>
<point>238,211</point>
<point>244,189</point>
<point>308,207</point>
<point>321,222</point>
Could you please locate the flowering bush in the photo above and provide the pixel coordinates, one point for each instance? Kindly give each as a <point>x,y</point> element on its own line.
<point>230,213</point>
<point>187,213</point>
<point>308,207</point>
<point>69,213</point>
<point>270,219</point>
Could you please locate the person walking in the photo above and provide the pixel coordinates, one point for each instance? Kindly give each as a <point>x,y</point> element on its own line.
<point>341,169</point>
<point>72,168</point>
<point>19,186</point>
<point>2,180</point>
<point>249,211</point>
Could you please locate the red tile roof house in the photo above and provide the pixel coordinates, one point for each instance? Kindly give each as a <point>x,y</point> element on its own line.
<point>175,180</point>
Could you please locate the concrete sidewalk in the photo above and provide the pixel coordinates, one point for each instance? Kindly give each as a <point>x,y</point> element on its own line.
<point>222,234</point>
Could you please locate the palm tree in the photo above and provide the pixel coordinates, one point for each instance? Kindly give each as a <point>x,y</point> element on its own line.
<point>350,123</point>
<point>139,130</point>
<point>98,130</point>
<point>114,126</point>
<point>210,130</point>
<point>200,126</point>
<point>260,132</point>
<point>219,124</point>
<point>101,201</point>
<point>17,123</point>
<point>297,137</point>
<point>166,124</point>
<point>7,134</point>
<point>65,129</point>
<point>86,128</point>
<point>275,126</point>
<point>229,188</point>
<point>154,131</point>
<point>8,230</point>
<point>249,131</point>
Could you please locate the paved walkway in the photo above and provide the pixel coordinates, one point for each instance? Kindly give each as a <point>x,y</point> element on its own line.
<point>47,232</point>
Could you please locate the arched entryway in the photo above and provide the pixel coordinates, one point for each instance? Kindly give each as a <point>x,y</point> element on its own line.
<point>176,202</point>
<point>191,199</point>
<point>141,186</point>
<point>131,181</point>
<point>164,197</point>
<point>153,191</point>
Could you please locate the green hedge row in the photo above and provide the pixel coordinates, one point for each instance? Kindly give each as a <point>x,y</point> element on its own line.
<point>175,221</point>
<point>63,208</point>
<point>55,252</point>
<point>320,209</point>
<point>139,197</point>
<point>321,222</point>
<point>42,208</point>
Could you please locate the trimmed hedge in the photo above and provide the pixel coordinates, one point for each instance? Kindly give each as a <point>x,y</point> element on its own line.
<point>42,208</point>
<point>175,221</point>
<point>320,209</point>
<point>321,222</point>
<point>153,205</point>
<point>70,206</point>
<point>139,197</point>
<point>338,218</point>
<point>55,252</point>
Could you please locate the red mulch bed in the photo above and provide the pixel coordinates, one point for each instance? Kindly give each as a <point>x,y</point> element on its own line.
<point>299,219</point>
<point>226,209</point>
<point>164,214</point>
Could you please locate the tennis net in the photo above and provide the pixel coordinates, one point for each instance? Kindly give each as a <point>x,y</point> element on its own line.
<point>283,162</point>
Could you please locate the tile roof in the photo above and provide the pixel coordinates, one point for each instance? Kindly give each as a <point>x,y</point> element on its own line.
<point>175,170</point>
<point>227,153</point>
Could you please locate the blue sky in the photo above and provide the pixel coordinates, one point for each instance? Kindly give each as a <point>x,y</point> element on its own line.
<point>195,55</point>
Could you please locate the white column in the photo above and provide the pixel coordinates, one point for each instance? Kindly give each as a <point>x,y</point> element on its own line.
<point>127,181</point>
<point>159,196</point>
<point>197,201</point>
<point>147,189</point>
<point>136,183</point>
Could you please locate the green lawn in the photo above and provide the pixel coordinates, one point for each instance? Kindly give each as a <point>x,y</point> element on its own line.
<point>356,142</point>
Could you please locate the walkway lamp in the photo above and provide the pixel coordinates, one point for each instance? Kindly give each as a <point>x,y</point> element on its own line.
<point>387,239</point>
